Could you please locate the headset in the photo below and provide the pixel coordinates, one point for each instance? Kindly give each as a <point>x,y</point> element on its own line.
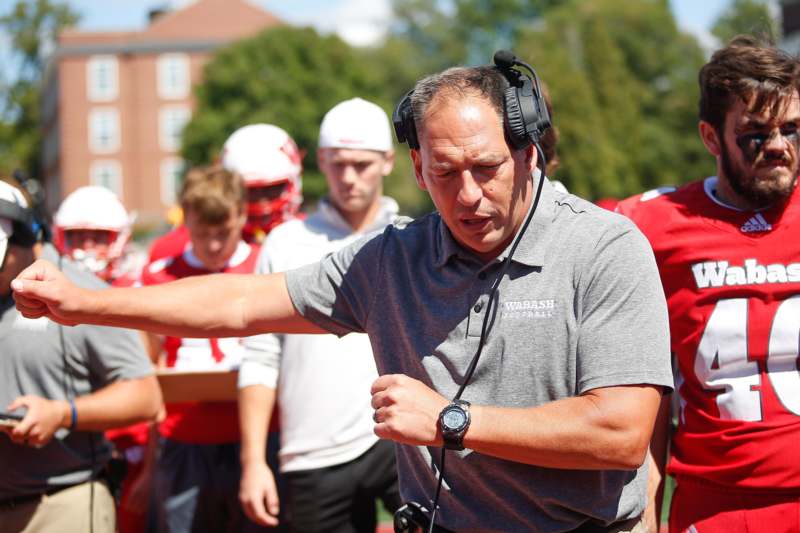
<point>525,120</point>
<point>28,229</point>
<point>525,117</point>
<point>23,221</point>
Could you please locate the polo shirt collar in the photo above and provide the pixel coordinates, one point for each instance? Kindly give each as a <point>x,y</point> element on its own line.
<point>530,250</point>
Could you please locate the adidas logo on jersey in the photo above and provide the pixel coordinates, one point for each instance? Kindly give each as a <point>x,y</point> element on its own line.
<point>722,274</point>
<point>756,223</point>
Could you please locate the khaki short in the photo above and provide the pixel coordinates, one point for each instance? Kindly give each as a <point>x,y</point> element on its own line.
<point>65,510</point>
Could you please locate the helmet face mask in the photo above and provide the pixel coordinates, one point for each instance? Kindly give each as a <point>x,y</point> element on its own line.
<point>92,248</point>
<point>268,206</point>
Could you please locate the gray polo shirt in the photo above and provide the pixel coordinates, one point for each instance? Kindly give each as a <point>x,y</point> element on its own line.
<point>581,307</point>
<point>40,357</point>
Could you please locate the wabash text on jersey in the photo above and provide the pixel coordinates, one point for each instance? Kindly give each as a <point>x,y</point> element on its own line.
<point>732,281</point>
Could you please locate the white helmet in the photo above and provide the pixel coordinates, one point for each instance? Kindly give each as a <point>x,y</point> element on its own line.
<point>265,155</point>
<point>93,208</point>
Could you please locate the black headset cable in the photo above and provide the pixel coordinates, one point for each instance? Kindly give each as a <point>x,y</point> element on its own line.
<point>485,325</point>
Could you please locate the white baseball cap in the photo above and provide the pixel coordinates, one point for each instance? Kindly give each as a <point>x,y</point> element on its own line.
<point>356,124</point>
<point>12,195</point>
<point>262,154</point>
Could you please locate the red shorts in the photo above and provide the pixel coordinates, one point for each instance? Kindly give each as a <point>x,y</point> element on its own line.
<point>702,507</point>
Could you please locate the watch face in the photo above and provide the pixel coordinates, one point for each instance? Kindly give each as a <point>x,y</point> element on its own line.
<point>454,418</point>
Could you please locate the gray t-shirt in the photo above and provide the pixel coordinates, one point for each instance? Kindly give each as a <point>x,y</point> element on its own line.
<point>581,307</point>
<point>33,354</point>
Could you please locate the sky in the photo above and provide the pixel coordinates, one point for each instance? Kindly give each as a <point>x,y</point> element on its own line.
<point>357,21</point>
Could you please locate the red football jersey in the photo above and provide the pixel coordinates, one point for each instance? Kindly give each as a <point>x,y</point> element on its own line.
<point>732,282</point>
<point>170,244</point>
<point>201,422</point>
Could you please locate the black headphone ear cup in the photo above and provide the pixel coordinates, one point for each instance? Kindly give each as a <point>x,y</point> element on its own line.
<point>403,121</point>
<point>411,129</point>
<point>515,122</point>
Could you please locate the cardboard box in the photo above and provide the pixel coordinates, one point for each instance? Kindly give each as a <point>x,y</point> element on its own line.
<point>211,386</point>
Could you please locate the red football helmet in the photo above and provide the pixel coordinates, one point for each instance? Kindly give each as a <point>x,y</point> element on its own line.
<point>271,165</point>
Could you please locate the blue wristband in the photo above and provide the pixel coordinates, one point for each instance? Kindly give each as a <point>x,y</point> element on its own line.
<point>74,415</point>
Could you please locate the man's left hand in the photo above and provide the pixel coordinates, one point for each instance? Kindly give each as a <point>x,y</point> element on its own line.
<point>42,419</point>
<point>407,410</point>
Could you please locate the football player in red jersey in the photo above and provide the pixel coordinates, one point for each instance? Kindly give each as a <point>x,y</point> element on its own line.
<point>728,249</point>
<point>196,479</point>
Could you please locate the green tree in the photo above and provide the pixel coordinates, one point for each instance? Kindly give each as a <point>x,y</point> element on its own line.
<point>452,32</point>
<point>32,27</point>
<point>625,105</point>
<point>396,66</point>
<point>621,75</point>
<point>746,16</point>
<point>289,77</point>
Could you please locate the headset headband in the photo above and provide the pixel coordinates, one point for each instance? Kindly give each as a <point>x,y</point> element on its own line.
<point>525,111</point>
<point>16,212</point>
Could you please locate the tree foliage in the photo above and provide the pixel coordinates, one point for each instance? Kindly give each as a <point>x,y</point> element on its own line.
<point>31,27</point>
<point>746,16</point>
<point>454,32</point>
<point>621,76</point>
<point>289,77</point>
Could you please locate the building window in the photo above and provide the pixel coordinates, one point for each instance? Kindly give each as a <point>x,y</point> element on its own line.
<point>107,173</point>
<point>171,172</point>
<point>104,131</point>
<point>172,120</point>
<point>173,76</point>
<point>102,78</point>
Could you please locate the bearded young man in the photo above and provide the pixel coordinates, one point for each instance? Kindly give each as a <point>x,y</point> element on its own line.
<point>728,249</point>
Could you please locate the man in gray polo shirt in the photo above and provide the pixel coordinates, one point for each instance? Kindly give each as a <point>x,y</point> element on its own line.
<point>66,386</point>
<point>566,391</point>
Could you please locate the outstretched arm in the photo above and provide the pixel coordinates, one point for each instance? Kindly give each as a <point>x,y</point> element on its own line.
<point>217,305</point>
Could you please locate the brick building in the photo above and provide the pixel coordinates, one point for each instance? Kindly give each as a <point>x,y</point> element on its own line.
<point>115,103</point>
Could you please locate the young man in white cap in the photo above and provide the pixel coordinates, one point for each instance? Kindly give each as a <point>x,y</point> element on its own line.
<point>332,463</point>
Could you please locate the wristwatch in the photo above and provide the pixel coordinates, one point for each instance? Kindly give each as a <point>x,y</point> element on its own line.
<point>454,421</point>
